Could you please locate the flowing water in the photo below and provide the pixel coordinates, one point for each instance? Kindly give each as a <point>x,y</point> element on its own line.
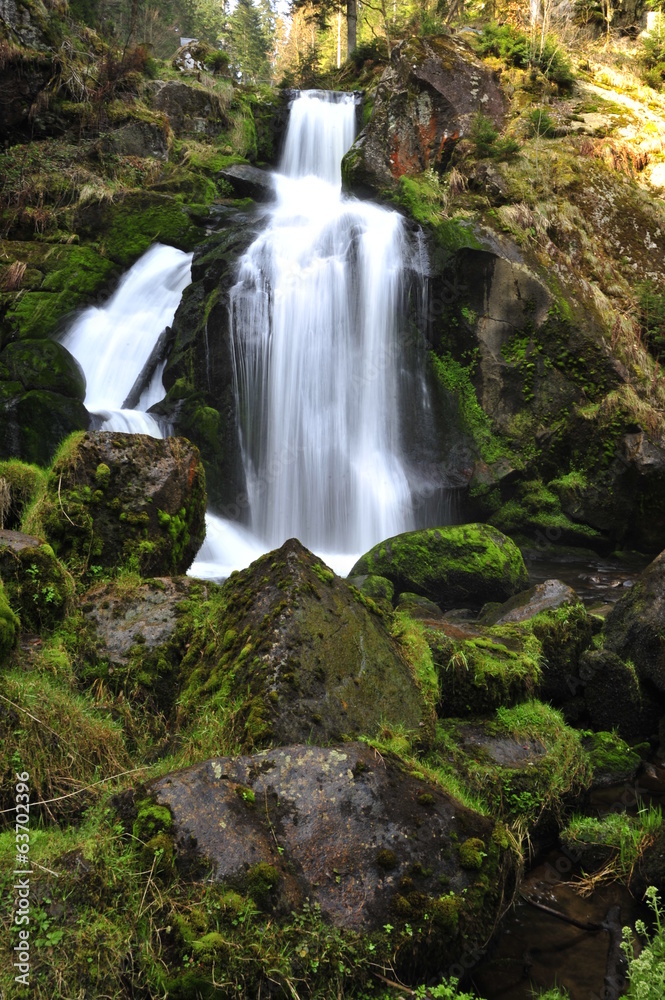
<point>316,320</point>
<point>114,343</point>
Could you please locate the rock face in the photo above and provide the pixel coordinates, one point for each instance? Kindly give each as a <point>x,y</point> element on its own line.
<point>634,626</point>
<point>424,103</point>
<point>38,587</point>
<point>454,566</point>
<point>200,400</point>
<point>249,182</point>
<point>304,657</point>
<point>190,110</point>
<point>114,498</point>
<point>367,842</point>
<point>138,139</point>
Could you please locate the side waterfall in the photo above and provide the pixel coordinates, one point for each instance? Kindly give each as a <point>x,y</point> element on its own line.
<point>114,343</point>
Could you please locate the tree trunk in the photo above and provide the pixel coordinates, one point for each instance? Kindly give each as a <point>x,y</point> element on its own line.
<point>351,24</point>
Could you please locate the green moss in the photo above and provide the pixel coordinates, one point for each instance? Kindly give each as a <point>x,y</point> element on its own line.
<point>9,624</point>
<point>261,881</point>
<point>450,565</point>
<point>472,853</point>
<point>386,859</point>
<point>411,636</point>
<point>536,512</point>
<point>610,756</point>
<point>151,820</point>
<point>24,483</point>
<point>38,587</point>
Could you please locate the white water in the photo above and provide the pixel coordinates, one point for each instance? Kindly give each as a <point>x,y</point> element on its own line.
<point>317,359</point>
<point>112,343</point>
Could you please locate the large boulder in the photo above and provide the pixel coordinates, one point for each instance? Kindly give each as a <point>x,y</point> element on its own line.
<point>126,499</point>
<point>462,565</point>
<point>248,181</point>
<point>352,832</point>
<point>634,627</point>
<point>302,656</point>
<point>38,587</point>
<point>191,110</point>
<point>424,103</point>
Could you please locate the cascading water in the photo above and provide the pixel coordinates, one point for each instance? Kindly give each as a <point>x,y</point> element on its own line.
<point>315,326</point>
<point>114,343</point>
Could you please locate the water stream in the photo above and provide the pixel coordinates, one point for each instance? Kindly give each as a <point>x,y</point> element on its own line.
<point>115,342</point>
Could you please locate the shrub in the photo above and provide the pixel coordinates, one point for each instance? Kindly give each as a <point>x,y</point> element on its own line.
<point>485,138</point>
<point>514,47</point>
<point>217,62</point>
<point>541,123</point>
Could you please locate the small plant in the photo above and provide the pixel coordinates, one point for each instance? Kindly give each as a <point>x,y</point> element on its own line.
<point>541,123</point>
<point>485,138</point>
<point>646,971</point>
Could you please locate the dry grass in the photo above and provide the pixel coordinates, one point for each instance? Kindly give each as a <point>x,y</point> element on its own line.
<point>12,276</point>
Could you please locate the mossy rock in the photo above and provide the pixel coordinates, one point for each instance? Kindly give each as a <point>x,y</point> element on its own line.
<point>634,626</point>
<point>301,656</point>
<point>34,423</point>
<point>57,279</point>
<point>453,566</point>
<point>615,696</point>
<point>38,587</point>
<point>481,669</point>
<point>612,760</point>
<point>132,500</point>
<point>43,364</point>
<point>9,624</point>
<point>534,514</point>
<point>522,763</point>
<point>377,588</point>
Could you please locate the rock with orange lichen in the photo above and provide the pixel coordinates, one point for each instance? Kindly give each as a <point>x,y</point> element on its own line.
<point>424,103</point>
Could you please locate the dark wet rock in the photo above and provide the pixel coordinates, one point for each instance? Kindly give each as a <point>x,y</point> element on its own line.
<point>43,364</point>
<point>634,627</point>
<point>191,110</point>
<point>455,565</point>
<point>545,596</point>
<point>200,399</point>
<point>137,138</point>
<point>352,832</point>
<point>615,697</point>
<point>38,587</point>
<point>248,181</point>
<point>419,607</point>
<point>304,656</point>
<point>115,499</point>
<point>424,103</point>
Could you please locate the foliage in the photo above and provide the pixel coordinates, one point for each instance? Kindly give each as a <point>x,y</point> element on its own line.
<point>646,971</point>
<point>541,123</point>
<point>516,49</point>
<point>626,837</point>
<point>652,316</point>
<point>485,138</point>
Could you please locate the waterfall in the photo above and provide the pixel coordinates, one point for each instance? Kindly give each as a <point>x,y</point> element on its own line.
<point>114,343</point>
<point>315,322</point>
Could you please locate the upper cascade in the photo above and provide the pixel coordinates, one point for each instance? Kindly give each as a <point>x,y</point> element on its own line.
<point>321,130</point>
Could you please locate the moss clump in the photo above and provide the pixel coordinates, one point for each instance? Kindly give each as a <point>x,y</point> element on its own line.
<point>151,820</point>
<point>261,881</point>
<point>23,483</point>
<point>610,757</point>
<point>535,513</point>
<point>471,853</point>
<point>456,565</point>
<point>38,587</point>
<point>8,626</point>
<point>386,859</point>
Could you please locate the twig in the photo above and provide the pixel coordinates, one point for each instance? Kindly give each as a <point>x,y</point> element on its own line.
<point>60,502</point>
<point>562,916</point>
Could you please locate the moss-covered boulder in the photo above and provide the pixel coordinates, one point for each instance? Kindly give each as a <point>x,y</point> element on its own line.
<point>455,566</point>
<point>612,761</point>
<point>8,625</point>
<point>38,587</point>
<point>377,588</point>
<point>424,103</point>
<point>546,596</point>
<point>369,843</point>
<point>634,627</point>
<point>116,499</point>
<point>521,764</point>
<point>290,652</point>
<point>190,109</point>
<point>614,696</point>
